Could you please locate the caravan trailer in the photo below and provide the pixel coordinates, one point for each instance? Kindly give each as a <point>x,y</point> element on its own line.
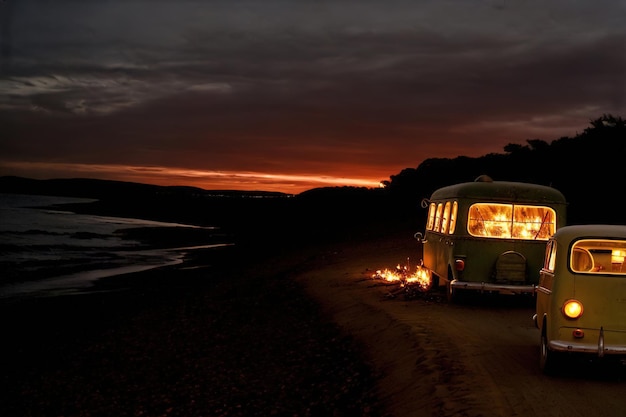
<point>489,236</point>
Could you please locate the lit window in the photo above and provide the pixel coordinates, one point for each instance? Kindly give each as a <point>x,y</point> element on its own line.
<point>581,260</point>
<point>445,220</point>
<point>510,221</point>
<point>455,208</point>
<point>438,217</point>
<point>431,216</point>
<point>603,256</point>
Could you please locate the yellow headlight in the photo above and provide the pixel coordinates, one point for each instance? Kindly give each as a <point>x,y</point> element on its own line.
<point>572,309</point>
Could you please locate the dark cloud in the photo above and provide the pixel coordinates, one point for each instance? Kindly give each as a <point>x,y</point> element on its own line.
<point>300,87</point>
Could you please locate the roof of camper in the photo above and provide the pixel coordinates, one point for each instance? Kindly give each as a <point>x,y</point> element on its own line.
<point>504,191</point>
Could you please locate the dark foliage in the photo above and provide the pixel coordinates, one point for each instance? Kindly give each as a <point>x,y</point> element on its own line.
<point>588,169</point>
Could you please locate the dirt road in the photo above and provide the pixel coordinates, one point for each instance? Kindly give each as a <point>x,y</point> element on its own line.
<point>478,358</point>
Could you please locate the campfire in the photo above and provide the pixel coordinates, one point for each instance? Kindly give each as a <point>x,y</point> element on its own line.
<point>417,277</point>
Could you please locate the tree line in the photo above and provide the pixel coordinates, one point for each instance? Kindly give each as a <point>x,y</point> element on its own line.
<point>589,169</point>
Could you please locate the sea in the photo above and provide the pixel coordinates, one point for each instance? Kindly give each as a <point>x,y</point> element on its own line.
<point>38,242</point>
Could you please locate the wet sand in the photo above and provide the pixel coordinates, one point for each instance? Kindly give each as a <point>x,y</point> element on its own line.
<point>229,332</point>
<point>285,330</point>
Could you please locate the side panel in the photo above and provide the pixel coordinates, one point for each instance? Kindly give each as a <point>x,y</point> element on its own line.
<point>437,251</point>
<point>544,296</point>
<point>481,255</point>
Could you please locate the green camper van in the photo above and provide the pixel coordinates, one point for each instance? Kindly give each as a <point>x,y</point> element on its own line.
<point>489,236</point>
<point>581,296</point>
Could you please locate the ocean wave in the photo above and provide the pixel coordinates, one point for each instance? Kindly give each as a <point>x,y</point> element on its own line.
<point>40,244</point>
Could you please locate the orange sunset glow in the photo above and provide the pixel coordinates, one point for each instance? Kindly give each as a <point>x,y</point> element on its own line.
<point>261,96</point>
<point>210,180</point>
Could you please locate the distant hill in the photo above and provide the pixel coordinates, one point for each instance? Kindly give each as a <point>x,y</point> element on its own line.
<point>226,208</point>
<point>98,189</point>
<point>262,217</point>
<point>589,169</point>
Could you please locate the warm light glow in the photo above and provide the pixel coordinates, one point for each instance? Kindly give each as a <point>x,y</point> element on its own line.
<point>607,256</point>
<point>511,221</point>
<point>205,179</point>
<point>431,216</point>
<point>455,209</point>
<point>438,215</point>
<point>573,309</point>
<point>389,275</point>
<point>617,256</point>
<point>445,220</point>
<point>420,276</point>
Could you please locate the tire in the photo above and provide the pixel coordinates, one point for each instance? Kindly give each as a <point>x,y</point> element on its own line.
<point>548,359</point>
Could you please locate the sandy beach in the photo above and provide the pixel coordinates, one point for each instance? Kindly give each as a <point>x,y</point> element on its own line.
<point>286,330</point>
<point>245,339</point>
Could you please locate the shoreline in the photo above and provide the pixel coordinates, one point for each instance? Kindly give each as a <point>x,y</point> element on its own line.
<point>243,339</point>
<point>227,332</point>
<point>149,246</point>
<point>78,280</point>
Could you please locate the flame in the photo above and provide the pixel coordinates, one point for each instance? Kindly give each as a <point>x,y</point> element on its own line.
<point>511,221</point>
<point>389,275</point>
<point>420,277</point>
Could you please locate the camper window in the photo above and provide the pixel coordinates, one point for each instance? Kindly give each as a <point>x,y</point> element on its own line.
<point>431,216</point>
<point>438,215</point>
<point>455,208</point>
<point>509,221</point>
<point>445,220</point>
<point>603,256</point>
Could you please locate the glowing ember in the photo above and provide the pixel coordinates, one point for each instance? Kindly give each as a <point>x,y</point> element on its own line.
<point>389,275</point>
<point>420,276</point>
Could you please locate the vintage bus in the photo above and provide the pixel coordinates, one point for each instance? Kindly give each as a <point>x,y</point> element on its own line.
<point>489,236</point>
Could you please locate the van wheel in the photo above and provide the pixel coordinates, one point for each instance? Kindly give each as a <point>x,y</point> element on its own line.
<point>548,359</point>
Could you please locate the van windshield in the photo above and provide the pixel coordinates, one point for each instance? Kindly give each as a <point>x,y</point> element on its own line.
<point>598,256</point>
<point>511,221</point>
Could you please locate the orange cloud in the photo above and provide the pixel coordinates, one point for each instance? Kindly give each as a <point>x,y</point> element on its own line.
<point>206,179</point>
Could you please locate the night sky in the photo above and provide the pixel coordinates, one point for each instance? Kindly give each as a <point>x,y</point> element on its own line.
<point>291,95</point>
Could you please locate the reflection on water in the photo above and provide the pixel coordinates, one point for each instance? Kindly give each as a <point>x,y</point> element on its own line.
<point>74,283</point>
<point>43,249</point>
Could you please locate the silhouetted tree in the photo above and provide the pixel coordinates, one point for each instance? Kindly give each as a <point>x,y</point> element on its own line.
<point>588,169</point>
